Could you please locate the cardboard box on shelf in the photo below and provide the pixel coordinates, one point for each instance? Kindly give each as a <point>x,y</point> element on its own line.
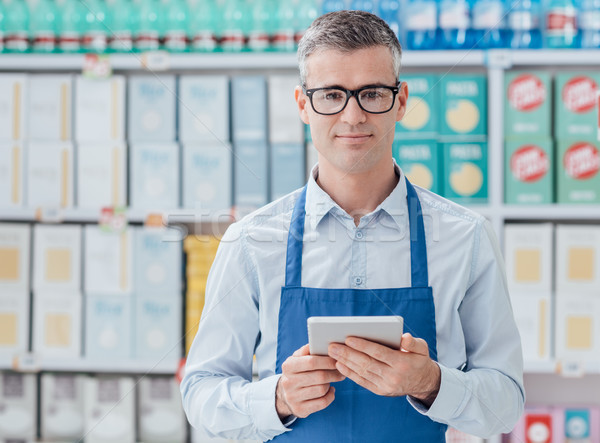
<point>108,327</point>
<point>158,328</point>
<point>527,104</point>
<point>420,162</point>
<point>251,175</point>
<point>287,168</point>
<point>50,175</point>
<point>57,325</point>
<point>582,423</point>
<point>575,105</point>
<point>421,119</point>
<point>529,167</point>
<point>533,315</point>
<point>108,261</point>
<point>15,260</point>
<point>157,261</point>
<point>12,175</point>
<point>61,407</point>
<point>578,167</point>
<point>465,172</point>
<point>50,107</point>
<point>203,109</point>
<point>249,109</point>
<point>161,416</point>
<point>151,108</point>
<point>463,105</point>
<point>57,258</point>
<point>539,424</point>
<point>99,109</point>
<point>14,89</point>
<point>109,405</point>
<point>154,179</point>
<point>578,259</point>
<point>101,175</point>
<point>208,178</point>
<point>285,126</point>
<point>19,405</point>
<point>577,327</point>
<point>14,323</point>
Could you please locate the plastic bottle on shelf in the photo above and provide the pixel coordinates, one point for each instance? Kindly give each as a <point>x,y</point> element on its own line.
<point>421,25</point>
<point>204,26</point>
<point>71,28</point>
<point>589,19</point>
<point>389,11</point>
<point>2,19</point>
<point>455,25</point>
<point>43,26</point>
<point>147,35</point>
<point>95,35</point>
<point>363,5</point>
<point>176,25</point>
<point>283,37</point>
<point>561,24</point>
<point>16,38</point>
<point>122,25</point>
<point>262,28</point>
<point>333,5</point>
<point>489,26</point>
<point>524,24</point>
<point>233,37</point>
<point>307,11</point>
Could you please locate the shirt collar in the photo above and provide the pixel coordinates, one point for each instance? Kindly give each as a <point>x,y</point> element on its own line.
<point>319,203</point>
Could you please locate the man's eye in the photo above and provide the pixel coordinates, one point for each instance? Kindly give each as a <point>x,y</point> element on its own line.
<point>371,94</point>
<point>333,95</point>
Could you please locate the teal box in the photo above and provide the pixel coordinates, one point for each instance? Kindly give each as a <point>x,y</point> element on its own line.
<point>463,105</point>
<point>157,260</point>
<point>465,172</point>
<point>287,168</point>
<point>527,103</point>
<point>422,108</point>
<point>151,108</point>
<point>575,105</point>
<point>420,162</point>
<point>158,327</point>
<point>107,327</point>
<point>529,170</point>
<point>578,171</point>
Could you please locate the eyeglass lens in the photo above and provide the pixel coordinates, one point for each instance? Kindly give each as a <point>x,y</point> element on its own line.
<point>331,101</point>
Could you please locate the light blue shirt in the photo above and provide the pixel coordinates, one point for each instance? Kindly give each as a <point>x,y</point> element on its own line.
<point>478,345</point>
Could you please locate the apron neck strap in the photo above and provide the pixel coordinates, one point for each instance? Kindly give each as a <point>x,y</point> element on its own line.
<point>418,249</point>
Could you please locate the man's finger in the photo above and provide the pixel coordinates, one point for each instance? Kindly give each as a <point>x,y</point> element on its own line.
<point>375,350</point>
<point>356,378</point>
<point>304,350</point>
<point>414,345</point>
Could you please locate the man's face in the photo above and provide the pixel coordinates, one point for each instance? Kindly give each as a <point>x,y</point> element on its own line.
<point>352,141</point>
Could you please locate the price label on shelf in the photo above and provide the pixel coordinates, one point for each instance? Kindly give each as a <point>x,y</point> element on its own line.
<point>154,220</point>
<point>26,362</point>
<point>571,369</point>
<point>113,219</point>
<point>156,60</point>
<point>96,66</point>
<point>49,215</point>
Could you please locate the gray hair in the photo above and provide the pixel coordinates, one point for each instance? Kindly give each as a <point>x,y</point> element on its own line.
<point>348,31</point>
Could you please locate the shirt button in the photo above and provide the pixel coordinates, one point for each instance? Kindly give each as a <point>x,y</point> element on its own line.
<point>358,281</point>
<point>359,234</point>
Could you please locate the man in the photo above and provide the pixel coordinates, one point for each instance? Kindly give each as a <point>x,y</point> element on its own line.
<point>359,239</point>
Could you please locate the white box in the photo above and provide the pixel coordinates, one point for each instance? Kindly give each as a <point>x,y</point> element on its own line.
<point>50,175</point>
<point>287,168</point>
<point>157,262</point>
<point>578,259</point>
<point>285,125</point>
<point>203,109</point>
<point>249,109</point>
<point>151,108</point>
<point>18,406</point>
<point>99,109</point>
<point>160,411</point>
<point>101,175</point>
<point>154,179</point>
<point>312,158</point>
<point>533,315</point>
<point>12,175</point>
<point>13,106</point>
<point>528,251</point>
<point>57,258</point>
<point>57,325</point>
<point>108,261</point>
<point>108,328</point>
<point>251,175</point>
<point>50,107</point>
<point>158,331</point>
<point>577,327</point>
<point>14,323</point>
<point>61,407</point>
<point>109,405</point>
<point>14,257</point>
<point>207,178</point>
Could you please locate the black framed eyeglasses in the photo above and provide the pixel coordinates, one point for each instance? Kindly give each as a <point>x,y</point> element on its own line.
<point>373,99</point>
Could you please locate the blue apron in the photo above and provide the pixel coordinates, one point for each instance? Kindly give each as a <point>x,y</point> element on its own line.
<point>356,414</point>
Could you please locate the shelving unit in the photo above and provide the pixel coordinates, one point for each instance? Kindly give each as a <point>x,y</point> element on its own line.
<point>130,366</point>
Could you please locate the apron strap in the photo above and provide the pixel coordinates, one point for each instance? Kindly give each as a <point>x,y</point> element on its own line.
<point>418,248</point>
<point>293,266</point>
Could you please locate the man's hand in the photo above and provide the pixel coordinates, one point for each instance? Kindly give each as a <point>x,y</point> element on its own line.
<point>304,386</point>
<point>388,372</point>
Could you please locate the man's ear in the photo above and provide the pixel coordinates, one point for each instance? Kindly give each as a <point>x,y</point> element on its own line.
<point>402,98</point>
<point>303,103</point>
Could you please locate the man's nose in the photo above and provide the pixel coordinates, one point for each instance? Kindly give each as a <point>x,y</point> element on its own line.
<point>353,113</point>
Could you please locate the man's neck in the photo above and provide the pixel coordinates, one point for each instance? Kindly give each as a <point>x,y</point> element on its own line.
<point>350,192</point>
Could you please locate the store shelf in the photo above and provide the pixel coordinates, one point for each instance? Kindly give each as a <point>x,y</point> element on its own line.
<point>570,369</point>
<point>551,212</point>
<point>555,57</point>
<point>104,366</point>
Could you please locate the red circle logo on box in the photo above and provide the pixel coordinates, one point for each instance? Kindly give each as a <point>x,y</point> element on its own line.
<point>526,93</point>
<point>582,161</point>
<point>579,94</point>
<point>529,163</point>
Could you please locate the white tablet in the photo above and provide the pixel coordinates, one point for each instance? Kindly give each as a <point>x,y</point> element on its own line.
<point>386,330</point>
